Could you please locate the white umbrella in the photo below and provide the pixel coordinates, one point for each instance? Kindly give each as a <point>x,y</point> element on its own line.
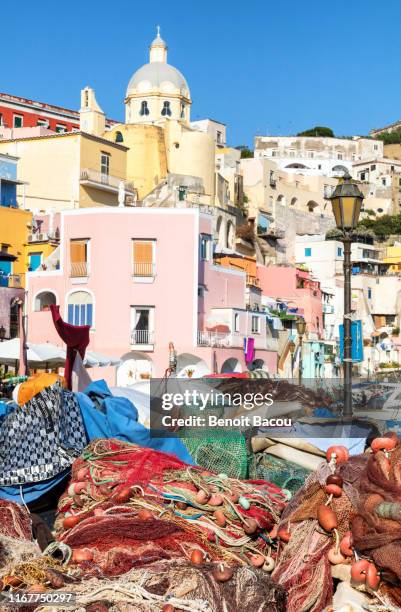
<point>37,354</point>
<point>94,359</point>
<point>48,355</point>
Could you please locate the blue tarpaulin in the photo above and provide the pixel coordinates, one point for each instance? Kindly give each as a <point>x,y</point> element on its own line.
<point>106,416</point>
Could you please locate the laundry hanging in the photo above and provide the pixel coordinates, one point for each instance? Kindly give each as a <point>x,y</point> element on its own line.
<point>76,338</point>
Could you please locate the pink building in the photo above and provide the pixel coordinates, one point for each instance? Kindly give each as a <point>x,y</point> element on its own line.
<point>299,289</point>
<point>142,278</point>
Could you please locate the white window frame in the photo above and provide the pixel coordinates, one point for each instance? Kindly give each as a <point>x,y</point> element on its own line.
<point>42,123</point>
<point>205,239</point>
<point>16,116</point>
<point>255,328</point>
<point>79,290</point>
<point>105,165</point>
<point>139,341</point>
<point>60,128</point>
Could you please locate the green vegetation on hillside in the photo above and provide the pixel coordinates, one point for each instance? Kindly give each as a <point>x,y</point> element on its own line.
<point>318,131</point>
<point>390,137</point>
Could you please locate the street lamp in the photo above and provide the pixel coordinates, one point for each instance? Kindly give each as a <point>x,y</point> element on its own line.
<point>301,329</point>
<point>346,201</point>
<point>2,333</point>
<point>292,351</point>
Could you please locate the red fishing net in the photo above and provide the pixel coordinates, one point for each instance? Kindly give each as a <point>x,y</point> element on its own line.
<point>128,506</point>
<point>15,521</point>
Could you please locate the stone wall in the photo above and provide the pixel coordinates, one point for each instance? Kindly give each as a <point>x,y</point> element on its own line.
<point>295,222</point>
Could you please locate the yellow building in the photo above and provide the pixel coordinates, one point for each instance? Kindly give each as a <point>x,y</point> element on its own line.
<point>393,258</point>
<point>14,228</point>
<point>70,170</point>
<point>158,133</point>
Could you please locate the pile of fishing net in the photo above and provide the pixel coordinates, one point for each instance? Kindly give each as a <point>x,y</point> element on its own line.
<point>334,528</point>
<point>128,506</point>
<point>22,564</point>
<point>376,528</point>
<point>286,474</point>
<point>175,585</point>
<point>226,452</point>
<point>15,535</point>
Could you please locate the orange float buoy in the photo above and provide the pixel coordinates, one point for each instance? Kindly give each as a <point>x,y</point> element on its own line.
<point>327,518</point>
<point>284,534</point>
<point>372,577</point>
<point>358,571</point>
<point>338,453</point>
<point>222,573</point>
<point>334,490</point>
<point>383,444</point>
<point>346,545</point>
<point>197,556</point>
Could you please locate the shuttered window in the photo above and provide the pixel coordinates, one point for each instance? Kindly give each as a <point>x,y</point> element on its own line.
<point>144,252</point>
<point>79,258</point>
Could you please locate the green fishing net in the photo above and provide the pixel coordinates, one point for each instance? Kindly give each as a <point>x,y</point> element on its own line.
<point>285,474</point>
<point>221,452</point>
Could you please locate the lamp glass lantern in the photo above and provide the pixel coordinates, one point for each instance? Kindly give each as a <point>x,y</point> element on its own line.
<point>346,201</point>
<point>301,326</point>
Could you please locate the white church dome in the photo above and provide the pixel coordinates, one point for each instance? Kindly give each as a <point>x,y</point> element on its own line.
<point>160,76</point>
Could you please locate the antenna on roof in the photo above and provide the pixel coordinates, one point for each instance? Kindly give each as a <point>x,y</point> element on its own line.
<point>158,30</point>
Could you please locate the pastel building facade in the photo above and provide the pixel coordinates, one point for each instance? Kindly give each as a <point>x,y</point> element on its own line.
<point>143,278</point>
<point>316,155</point>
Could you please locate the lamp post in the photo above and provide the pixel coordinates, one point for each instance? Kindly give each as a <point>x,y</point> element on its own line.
<point>346,201</point>
<point>301,328</point>
<point>292,351</point>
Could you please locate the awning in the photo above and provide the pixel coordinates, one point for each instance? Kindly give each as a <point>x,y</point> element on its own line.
<point>49,355</point>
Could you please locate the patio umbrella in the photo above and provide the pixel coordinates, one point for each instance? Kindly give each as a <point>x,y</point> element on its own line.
<point>94,359</point>
<point>42,355</point>
<point>37,354</point>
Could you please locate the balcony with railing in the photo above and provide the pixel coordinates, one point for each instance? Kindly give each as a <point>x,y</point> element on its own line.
<point>142,337</point>
<point>144,269</point>
<point>105,182</point>
<point>233,340</point>
<point>79,269</point>
<point>252,281</point>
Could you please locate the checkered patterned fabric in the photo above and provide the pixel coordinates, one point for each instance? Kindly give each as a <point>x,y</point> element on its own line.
<point>41,438</point>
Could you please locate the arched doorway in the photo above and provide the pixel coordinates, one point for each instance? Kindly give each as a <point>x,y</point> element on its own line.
<point>135,366</point>
<point>44,300</point>
<point>191,366</point>
<point>230,235</point>
<point>231,365</point>
<point>221,232</point>
<point>258,364</point>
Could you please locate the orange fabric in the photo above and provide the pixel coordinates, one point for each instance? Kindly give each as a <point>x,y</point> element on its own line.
<point>77,251</point>
<point>143,252</point>
<point>35,384</point>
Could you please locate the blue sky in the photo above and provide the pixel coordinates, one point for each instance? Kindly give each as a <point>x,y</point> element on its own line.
<point>260,66</point>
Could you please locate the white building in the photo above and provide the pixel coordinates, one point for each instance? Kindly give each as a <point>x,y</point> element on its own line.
<point>316,155</point>
<point>380,178</point>
<point>215,129</point>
